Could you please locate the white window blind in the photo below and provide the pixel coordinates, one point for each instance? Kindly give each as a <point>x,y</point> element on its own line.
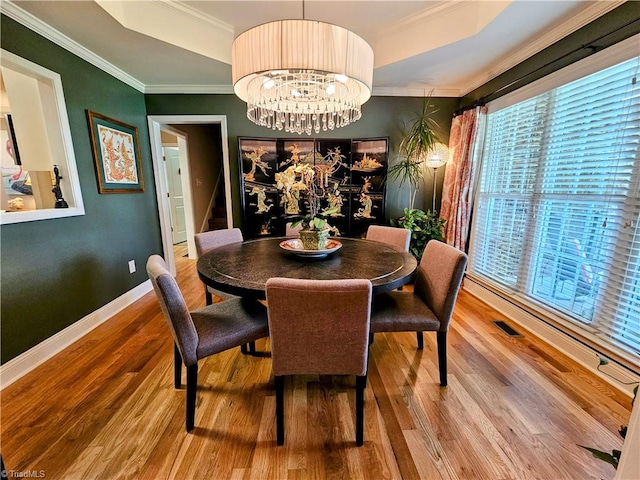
<point>558,209</point>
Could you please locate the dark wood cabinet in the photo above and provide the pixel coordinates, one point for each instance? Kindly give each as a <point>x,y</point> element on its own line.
<point>352,173</point>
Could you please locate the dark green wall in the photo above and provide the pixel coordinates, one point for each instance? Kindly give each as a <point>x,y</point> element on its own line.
<point>617,25</point>
<point>381,117</point>
<point>55,272</point>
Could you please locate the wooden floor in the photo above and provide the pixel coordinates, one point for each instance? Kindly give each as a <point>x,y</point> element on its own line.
<point>514,409</point>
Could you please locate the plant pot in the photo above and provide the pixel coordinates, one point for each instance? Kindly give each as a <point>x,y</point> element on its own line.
<point>314,239</point>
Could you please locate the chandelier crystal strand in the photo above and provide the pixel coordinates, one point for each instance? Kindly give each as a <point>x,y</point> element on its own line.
<point>302,76</point>
<point>300,102</point>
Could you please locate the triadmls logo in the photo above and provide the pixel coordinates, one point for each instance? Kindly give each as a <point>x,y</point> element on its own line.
<point>23,474</point>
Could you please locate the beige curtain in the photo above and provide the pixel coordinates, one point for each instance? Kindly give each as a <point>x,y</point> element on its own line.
<point>457,192</point>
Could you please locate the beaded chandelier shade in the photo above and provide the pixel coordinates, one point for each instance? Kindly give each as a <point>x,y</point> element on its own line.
<point>302,76</point>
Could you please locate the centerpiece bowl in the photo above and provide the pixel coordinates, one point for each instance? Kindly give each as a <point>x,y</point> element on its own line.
<point>295,246</point>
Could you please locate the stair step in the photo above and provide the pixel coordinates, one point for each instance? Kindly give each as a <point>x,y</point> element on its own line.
<point>217,223</point>
<point>219,212</point>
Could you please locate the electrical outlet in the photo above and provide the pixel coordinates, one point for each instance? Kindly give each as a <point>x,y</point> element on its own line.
<point>132,266</point>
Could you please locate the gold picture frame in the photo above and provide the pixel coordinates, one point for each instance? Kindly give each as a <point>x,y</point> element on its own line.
<point>116,155</point>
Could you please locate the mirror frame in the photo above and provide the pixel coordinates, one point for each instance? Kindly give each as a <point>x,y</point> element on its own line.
<point>68,170</point>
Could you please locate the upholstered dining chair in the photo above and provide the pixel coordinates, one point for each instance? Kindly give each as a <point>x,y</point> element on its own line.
<point>203,332</point>
<point>430,306</point>
<point>395,236</point>
<point>319,327</point>
<point>207,241</point>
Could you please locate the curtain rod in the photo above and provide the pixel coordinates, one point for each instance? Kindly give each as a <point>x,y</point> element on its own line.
<point>588,46</point>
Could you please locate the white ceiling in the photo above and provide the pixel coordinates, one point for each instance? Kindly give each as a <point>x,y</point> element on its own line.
<point>444,47</point>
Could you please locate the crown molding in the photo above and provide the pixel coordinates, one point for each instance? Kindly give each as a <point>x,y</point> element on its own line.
<point>194,14</point>
<point>593,12</point>
<point>596,10</point>
<point>427,14</point>
<point>228,90</point>
<point>175,24</point>
<point>432,28</point>
<point>414,92</point>
<point>189,89</point>
<point>23,17</point>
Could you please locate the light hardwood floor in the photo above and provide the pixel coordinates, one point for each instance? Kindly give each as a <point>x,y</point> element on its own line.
<point>514,409</point>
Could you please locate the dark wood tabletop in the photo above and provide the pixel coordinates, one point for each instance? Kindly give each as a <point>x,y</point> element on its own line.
<point>244,268</point>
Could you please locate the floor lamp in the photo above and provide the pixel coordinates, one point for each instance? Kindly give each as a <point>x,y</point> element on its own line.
<point>436,158</point>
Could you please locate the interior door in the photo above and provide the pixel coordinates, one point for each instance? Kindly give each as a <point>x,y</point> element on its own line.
<point>176,198</point>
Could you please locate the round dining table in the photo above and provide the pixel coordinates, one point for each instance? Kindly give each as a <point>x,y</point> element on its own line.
<point>244,268</point>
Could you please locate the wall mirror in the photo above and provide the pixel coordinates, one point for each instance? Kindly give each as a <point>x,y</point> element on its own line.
<point>39,175</point>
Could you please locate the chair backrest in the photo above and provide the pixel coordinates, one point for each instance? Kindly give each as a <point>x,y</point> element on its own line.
<point>395,236</point>
<point>319,326</point>
<point>174,308</point>
<point>292,231</point>
<point>207,241</point>
<point>438,279</point>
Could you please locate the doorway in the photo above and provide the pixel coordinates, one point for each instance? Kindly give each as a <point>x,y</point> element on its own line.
<point>176,196</point>
<point>157,123</point>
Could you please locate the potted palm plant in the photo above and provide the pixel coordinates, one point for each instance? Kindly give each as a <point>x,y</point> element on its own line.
<point>419,140</point>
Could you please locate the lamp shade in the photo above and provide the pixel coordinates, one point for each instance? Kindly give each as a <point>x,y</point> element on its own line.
<point>302,75</point>
<point>437,156</point>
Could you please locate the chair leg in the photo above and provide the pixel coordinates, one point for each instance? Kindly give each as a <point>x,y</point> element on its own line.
<point>361,384</point>
<point>420,340</point>
<point>208,298</point>
<point>279,383</point>
<point>177,367</point>
<point>248,348</point>
<point>192,386</point>
<point>442,357</point>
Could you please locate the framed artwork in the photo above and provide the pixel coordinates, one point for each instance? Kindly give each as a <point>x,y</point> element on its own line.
<point>116,155</point>
<point>353,173</point>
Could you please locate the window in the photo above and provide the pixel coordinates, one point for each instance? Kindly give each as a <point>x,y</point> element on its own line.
<point>557,219</point>
<point>35,145</point>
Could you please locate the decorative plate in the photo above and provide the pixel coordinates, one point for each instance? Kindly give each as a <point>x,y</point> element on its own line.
<point>294,246</point>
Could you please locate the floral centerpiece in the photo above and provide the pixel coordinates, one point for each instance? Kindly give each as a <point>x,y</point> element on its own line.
<point>315,229</point>
<point>301,179</point>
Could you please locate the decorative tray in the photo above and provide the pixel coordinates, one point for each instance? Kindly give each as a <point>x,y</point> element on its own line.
<point>294,246</point>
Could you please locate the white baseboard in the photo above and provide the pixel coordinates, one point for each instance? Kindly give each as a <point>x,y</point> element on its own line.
<point>27,361</point>
<point>564,342</point>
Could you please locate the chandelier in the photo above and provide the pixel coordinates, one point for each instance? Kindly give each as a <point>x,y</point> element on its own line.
<point>302,76</point>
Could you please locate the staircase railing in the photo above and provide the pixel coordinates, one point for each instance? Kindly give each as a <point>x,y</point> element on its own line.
<point>205,224</point>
